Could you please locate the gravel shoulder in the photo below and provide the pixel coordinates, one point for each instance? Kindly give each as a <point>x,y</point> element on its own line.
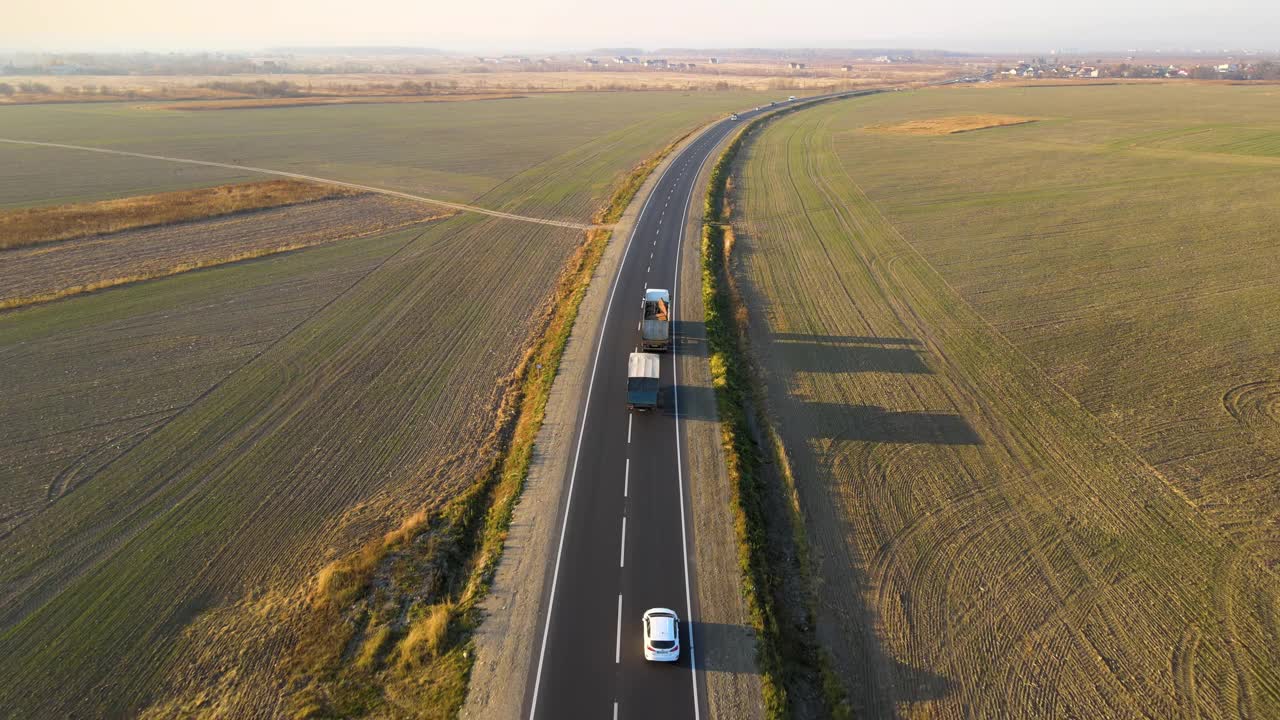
<point>506,643</point>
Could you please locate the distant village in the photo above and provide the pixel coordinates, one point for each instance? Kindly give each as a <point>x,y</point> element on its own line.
<point>1056,68</point>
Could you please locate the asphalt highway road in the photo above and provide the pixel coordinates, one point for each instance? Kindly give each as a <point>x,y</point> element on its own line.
<point>625,541</point>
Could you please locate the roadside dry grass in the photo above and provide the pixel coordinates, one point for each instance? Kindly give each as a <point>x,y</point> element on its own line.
<point>950,125</point>
<point>33,226</point>
<point>991,535</point>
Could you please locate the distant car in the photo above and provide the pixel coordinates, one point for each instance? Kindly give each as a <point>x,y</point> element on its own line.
<point>733,116</point>
<point>792,98</point>
<point>661,635</point>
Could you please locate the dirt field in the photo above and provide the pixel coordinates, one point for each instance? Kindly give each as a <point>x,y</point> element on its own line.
<point>195,542</point>
<point>43,272</point>
<point>1024,379</point>
<point>88,378</point>
<point>951,125</point>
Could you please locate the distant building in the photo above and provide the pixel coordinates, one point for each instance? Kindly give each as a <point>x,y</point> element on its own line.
<point>846,68</point>
<point>713,61</point>
<point>882,59</point>
<point>796,65</point>
<point>592,62</point>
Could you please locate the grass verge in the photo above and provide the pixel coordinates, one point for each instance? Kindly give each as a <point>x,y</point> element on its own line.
<point>32,226</point>
<point>796,675</point>
<point>391,625</point>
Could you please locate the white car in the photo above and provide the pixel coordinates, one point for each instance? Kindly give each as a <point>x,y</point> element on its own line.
<point>661,635</point>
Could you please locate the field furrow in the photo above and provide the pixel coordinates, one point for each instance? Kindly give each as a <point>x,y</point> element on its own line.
<point>50,270</point>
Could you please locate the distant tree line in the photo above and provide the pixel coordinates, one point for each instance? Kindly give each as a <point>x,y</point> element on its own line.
<point>257,88</point>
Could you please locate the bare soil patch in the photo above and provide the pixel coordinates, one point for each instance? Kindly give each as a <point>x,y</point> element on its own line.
<point>951,125</point>
<point>32,226</point>
<point>46,272</point>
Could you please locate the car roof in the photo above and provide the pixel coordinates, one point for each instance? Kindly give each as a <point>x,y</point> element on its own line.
<point>662,623</point>
<point>662,628</point>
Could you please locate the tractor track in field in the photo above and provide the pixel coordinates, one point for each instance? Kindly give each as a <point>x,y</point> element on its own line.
<point>462,207</point>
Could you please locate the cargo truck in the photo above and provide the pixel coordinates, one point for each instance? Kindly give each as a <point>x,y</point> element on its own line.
<point>655,329</point>
<point>642,381</point>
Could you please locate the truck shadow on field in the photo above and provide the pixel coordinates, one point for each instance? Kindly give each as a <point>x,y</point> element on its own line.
<point>871,423</point>
<point>803,393</point>
<point>833,354</point>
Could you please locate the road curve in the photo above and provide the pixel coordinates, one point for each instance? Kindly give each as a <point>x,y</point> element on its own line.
<point>625,539</point>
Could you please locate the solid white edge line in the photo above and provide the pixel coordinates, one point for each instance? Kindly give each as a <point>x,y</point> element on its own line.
<point>577,453</point>
<point>617,651</point>
<point>622,554</point>
<point>675,384</point>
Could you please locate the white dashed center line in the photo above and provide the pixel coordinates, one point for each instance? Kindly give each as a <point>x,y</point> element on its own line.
<point>622,555</point>
<point>617,652</point>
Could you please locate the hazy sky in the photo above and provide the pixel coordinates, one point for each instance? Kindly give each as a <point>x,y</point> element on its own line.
<point>486,25</point>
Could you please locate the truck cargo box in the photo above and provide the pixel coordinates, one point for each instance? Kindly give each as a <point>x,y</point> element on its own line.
<point>655,329</point>
<point>642,381</point>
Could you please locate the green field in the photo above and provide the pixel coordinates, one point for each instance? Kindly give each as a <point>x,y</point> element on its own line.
<point>451,151</point>
<point>228,432</point>
<point>1026,379</point>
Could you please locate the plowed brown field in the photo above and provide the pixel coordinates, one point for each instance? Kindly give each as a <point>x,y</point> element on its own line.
<point>54,269</point>
<point>992,536</point>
